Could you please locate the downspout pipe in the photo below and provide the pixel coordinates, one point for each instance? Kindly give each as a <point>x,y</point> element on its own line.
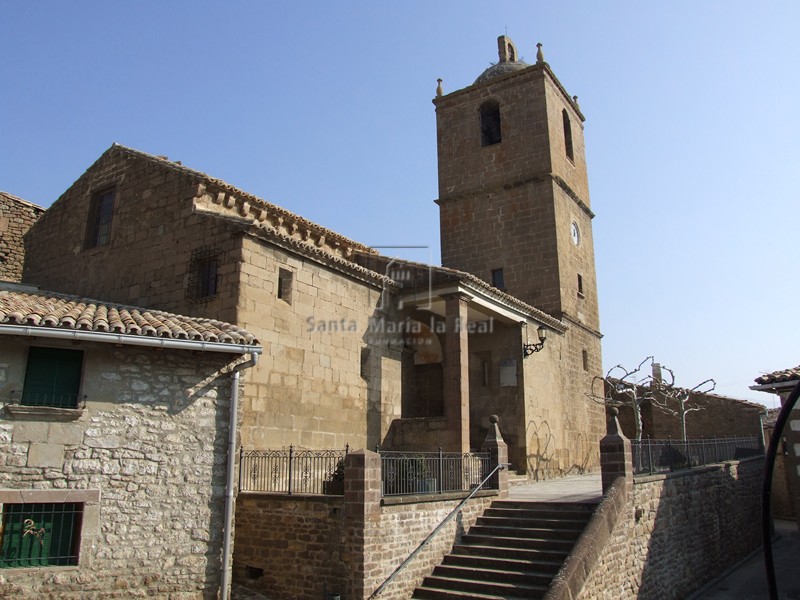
<point>227,563</point>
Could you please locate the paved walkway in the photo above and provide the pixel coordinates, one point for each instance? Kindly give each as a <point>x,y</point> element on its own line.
<point>575,488</point>
<point>748,579</point>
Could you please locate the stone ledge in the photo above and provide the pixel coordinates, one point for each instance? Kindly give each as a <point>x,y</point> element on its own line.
<point>443,497</point>
<point>647,478</point>
<point>329,498</point>
<point>55,496</point>
<point>44,413</point>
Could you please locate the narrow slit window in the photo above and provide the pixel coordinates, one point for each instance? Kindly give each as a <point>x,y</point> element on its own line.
<point>490,123</point>
<point>498,280</point>
<point>203,283</point>
<point>585,360</point>
<point>567,135</point>
<point>101,211</point>
<point>580,284</point>
<point>285,285</point>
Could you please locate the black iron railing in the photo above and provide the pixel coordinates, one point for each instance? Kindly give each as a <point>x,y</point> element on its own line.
<point>292,471</point>
<point>658,456</point>
<point>48,399</point>
<point>405,473</point>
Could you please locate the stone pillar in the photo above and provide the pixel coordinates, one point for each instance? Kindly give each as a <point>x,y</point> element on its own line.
<point>616,459</point>
<point>497,448</point>
<point>456,373</point>
<point>362,501</point>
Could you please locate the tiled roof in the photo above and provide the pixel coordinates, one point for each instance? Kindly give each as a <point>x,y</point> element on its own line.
<point>445,275</point>
<point>779,376</point>
<point>254,204</point>
<point>29,307</point>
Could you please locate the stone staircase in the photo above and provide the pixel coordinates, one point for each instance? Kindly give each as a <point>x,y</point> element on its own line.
<point>512,552</point>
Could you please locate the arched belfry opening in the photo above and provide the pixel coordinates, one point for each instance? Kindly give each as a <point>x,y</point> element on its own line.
<point>568,135</point>
<point>506,49</point>
<point>490,123</point>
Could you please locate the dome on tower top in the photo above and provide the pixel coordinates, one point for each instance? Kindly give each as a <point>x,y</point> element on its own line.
<point>508,63</point>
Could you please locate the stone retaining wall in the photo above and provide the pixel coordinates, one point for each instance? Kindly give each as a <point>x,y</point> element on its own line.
<point>678,531</point>
<point>303,547</point>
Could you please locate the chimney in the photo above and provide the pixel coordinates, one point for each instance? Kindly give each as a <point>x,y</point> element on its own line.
<point>657,373</point>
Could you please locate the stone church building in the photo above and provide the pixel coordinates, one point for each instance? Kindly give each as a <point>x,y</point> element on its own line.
<point>359,348</point>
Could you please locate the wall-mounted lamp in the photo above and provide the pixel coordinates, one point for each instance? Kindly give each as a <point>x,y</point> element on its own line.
<point>528,349</point>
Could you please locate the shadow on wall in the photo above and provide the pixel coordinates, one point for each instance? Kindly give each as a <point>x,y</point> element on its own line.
<point>581,449</point>
<point>541,448</point>
<point>702,523</point>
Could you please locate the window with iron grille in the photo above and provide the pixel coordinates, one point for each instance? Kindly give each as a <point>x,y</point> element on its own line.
<point>40,534</point>
<point>98,228</point>
<point>203,274</point>
<point>52,377</point>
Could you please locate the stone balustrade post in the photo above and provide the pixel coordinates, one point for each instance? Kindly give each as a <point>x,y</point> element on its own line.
<point>616,458</point>
<point>362,502</point>
<point>498,450</point>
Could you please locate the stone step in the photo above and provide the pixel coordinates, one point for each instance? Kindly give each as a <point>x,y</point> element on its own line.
<point>539,533</point>
<point>532,543</point>
<point>485,574</point>
<point>522,554</point>
<point>424,593</point>
<point>520,565</point>
<point>504,590</point>
<point>534,519</point>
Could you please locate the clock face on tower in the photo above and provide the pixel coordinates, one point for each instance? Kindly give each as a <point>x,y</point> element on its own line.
<point>575,233</point>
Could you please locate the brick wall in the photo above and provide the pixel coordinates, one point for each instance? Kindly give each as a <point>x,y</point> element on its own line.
<point>290,547</point>
<point>347,545</point>
<point>678,531</point>
<point>720,417</point>
<point>16,218</point>
<point>147,456</point>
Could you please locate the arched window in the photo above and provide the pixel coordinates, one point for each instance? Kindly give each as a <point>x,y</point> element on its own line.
<point>490,123</point>
<point>567,135</point>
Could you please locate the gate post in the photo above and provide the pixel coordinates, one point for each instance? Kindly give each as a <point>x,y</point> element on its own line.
<point>616,459</point>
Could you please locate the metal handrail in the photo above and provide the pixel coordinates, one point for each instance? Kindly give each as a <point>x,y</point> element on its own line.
<point>436,530</point>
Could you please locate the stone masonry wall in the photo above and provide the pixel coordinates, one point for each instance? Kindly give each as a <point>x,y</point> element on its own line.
<point>148,456</point>
<point>16,217</point>
<point>328,375</point>
<point>322,381</point>
<point>154,233</point>
<point>679,531</point>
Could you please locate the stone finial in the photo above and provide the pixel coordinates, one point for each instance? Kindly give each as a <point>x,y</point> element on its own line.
<point>439,91</point>
<point>539,54</point>
<point>575,100</point>
<point>612,423</point>
<point>506,49</point>
<point>493,436</point>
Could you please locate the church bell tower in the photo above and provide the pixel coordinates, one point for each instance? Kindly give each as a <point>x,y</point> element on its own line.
<point>513,191</point>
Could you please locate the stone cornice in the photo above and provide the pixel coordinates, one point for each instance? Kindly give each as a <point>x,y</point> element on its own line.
<point>537,178</point>
<point>535,69</point>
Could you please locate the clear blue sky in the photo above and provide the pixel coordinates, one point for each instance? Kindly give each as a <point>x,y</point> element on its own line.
<point>324,108</point>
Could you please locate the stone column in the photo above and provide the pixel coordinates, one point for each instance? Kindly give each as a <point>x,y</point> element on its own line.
<point>456,372</point>
<point>616,459</point>
<point>362,501</point>
<point>497,448</point>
